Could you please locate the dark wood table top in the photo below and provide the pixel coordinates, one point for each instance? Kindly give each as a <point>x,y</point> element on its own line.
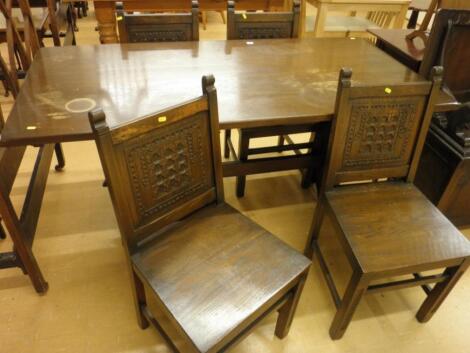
<point>266,83</point>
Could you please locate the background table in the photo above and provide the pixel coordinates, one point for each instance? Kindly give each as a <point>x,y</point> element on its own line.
<point>323,6</point>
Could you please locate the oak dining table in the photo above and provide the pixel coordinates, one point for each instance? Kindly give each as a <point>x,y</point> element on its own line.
<point>260,83</point>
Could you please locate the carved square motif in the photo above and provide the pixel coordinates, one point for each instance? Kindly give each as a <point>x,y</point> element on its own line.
<point>380,132</point>
<point>253,31</point>
<point>170,165</point>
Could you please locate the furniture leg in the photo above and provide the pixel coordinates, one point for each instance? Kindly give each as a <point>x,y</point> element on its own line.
<point>413,21</point>
<point>243,145</point>
<point>60,157</point>
<point>2,231</point>
<point>222,14</point>
<point>307,174</point>
<point>356,288</point>
<point>140,301</point>
<point>302,18</point>
<point>400,17</point>
<point>105,15</point>
<point>22,250</point>
<point>228,135</point>
<point>287,311</point>
<point>280,140</point>
<point>320,21</point>
<point>204,19</point>
<point>440,291</point>
<point>315,228</point>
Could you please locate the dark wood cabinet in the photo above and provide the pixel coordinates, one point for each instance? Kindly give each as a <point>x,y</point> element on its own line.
<point>444,174</point>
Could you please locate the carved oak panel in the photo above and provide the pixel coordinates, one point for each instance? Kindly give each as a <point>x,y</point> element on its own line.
<point>169,166</point>
<point>381,132</point>
<point>246,30</point>
<point>158,33</point>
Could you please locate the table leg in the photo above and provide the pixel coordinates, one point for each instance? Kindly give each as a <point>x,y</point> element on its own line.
<point>400,18</point>
<point>60,157</point>
<point>22,229</point>
<point>105,15</point>
<point>413,19</point>
<point>320,21</point>
<point>303,17</point>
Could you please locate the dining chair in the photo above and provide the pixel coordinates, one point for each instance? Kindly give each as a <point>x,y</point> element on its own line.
<point>202,273</point>
<point>158,27</point>
<point>384,224</point>
<point>262,25</point>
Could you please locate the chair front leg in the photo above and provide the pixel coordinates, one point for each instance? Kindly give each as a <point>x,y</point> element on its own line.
<point>287,311</point>
<point>138,291</point>
<point>440,291</point>
<point>356,288</point>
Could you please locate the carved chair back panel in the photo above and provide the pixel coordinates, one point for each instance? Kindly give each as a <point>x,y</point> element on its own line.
<point>158,27</point>
<point>267,25</point>
<point>161,168</point>
<point>168,166</point>
<point>376,131</point>
<point>153,30</point>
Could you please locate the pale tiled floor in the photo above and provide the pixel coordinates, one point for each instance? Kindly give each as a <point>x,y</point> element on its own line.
<point>89,309</point>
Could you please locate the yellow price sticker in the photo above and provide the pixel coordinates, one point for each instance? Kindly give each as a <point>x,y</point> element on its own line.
<point>161,119</point>
<point>388,90</point>
<point>31,127</point>
<point>119,18</point>
<point>244,16</point>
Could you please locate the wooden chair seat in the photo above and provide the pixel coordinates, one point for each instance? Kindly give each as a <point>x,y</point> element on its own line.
<point>211,256</point>
<point>389,226</point>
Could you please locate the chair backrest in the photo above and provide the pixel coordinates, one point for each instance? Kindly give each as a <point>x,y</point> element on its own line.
<point>382,19</point>
<point>378,131</point>
<point>264,25</point>
<point>158,27</point>
<point>162,167</point>
<point>449,46</point>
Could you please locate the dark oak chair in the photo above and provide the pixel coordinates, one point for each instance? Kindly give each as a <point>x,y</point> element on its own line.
<point>202,273</point>
<point>158,27</point>
<point>262,25</point>
<point>386,228</point>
